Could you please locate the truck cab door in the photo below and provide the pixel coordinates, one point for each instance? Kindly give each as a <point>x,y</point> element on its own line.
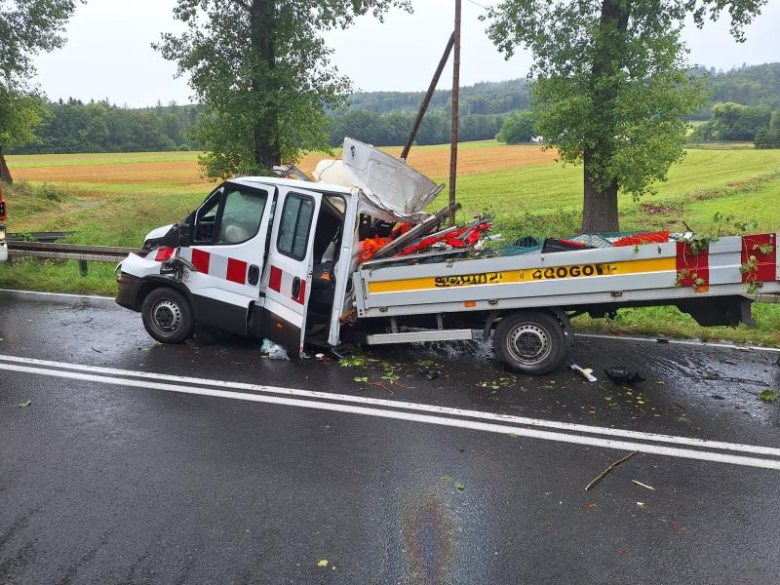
<point>228,246</point>
<point>288,271</point>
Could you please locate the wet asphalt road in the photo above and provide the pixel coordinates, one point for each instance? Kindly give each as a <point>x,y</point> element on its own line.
<point>105,483</point>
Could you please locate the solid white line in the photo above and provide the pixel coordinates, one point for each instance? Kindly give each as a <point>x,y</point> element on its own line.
<point>397,404</point>
<point>23,293</point>
<point>411,417</point>
<point>394,405</point>
<point>429,408</point>
<point>673,341</point>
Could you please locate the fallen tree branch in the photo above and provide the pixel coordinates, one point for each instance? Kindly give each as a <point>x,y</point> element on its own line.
<point>383,387</point>
<point>616,464</point>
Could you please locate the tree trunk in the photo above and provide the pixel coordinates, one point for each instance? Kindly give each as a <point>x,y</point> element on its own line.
<point>600,205</point>
<point>600,209</point>
<point>5,173</point>
<point>267,150</point>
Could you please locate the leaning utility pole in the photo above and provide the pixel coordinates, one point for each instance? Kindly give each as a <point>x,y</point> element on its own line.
<point>427,98</point>
<point>455,102</point>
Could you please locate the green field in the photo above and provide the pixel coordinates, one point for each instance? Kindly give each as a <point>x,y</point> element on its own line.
<point>114,199</point>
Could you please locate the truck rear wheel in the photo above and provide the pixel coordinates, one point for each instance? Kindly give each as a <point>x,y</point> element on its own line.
<point>167,316</point>
<point>530,342</point>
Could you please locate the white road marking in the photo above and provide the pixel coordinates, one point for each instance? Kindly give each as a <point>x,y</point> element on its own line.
<point>689,342</point>
<point>23,293</point>
<point>397,404</point>
<point>408,416</point>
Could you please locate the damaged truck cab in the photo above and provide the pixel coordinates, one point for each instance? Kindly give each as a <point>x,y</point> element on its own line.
<point>264,257</point>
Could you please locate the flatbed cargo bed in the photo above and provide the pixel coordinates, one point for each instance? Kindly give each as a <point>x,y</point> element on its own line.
<point>657,273</point>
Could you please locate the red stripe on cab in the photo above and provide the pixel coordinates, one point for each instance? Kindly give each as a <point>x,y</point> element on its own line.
<point>275,281</point>
<point>693,268</point>
<point>200,260</point>
<point>764,248</point>
<point>236,271</point>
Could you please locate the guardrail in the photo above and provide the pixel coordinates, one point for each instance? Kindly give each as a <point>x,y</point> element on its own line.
<point>82,254</point>
<point>37,236</point>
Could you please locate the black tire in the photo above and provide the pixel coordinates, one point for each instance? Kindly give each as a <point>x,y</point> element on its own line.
<point>530,342</point>
<point>168,316</point>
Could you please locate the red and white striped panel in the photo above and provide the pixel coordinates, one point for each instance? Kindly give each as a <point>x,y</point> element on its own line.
<point>282,282</point>
<point>216,265</point>
<point>728,261</point>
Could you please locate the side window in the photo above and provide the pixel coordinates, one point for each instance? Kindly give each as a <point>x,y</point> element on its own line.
<point>231,217</point>
<point>294,226</point>
<point>241,217</point>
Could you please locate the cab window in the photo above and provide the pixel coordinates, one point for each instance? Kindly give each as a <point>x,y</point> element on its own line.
<point>294,227</point>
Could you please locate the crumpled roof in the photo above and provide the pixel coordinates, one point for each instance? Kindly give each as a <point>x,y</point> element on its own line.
<point>390,188</point>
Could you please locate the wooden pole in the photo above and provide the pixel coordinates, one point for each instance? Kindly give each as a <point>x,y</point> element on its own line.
<point>455,104</point>
<point>428,97</point>
<point>5,174</point>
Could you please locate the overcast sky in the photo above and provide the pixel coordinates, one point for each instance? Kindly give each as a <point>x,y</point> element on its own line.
<point>108,54</point>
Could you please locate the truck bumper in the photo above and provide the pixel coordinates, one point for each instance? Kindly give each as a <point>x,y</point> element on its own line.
<point>128,293</point>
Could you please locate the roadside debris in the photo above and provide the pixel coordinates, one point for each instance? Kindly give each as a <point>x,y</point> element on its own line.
<point>586,373</point>
<point>429,373</point>
<point>644,485</point>
<point>614,465</point>
<point>716,376</point>
<point>23,405</point>
<point>768,396</point>
<point>273,351</point>
<point>621,375</point>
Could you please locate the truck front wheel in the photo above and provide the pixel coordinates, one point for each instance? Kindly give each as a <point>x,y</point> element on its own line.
<point>530,342</point>
<point>167,316</point>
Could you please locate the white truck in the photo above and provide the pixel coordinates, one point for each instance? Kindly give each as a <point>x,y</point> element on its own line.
<point>280,259</point>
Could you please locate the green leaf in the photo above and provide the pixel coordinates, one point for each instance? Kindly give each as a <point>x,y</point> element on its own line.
<point>361,378</point>
<point>768,396</point>
<point>460,486</point>
<point>24,404</point>
<point>446,477</point>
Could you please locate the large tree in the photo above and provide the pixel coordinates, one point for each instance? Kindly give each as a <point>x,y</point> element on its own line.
<point>612,86</point>
<point>27,27</point>
<point>262,71</point>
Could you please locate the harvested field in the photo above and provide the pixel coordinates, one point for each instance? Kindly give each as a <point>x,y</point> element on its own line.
<point>471,161</point>
<point>181,169</point>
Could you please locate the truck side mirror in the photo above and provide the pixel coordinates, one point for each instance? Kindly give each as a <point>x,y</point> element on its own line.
<point>185,235</point>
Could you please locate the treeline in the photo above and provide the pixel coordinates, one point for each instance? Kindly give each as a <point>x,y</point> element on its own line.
<point>72,126</point>
<point>755,85</point>
<point>385,118</point>
<point>499,97</point>
<point>735,122</point>
<point>393,129</point>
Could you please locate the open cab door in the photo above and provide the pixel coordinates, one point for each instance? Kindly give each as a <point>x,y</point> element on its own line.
<point>288,272</point>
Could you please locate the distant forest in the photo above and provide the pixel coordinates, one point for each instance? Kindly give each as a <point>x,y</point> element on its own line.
<point>380,118</point>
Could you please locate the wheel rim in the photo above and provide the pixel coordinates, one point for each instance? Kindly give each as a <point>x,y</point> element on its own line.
<point>166,315</point>
<point>529,343</point>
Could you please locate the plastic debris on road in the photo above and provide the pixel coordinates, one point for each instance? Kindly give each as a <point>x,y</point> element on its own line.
<point>273,351</point>
<point>585,373</point>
